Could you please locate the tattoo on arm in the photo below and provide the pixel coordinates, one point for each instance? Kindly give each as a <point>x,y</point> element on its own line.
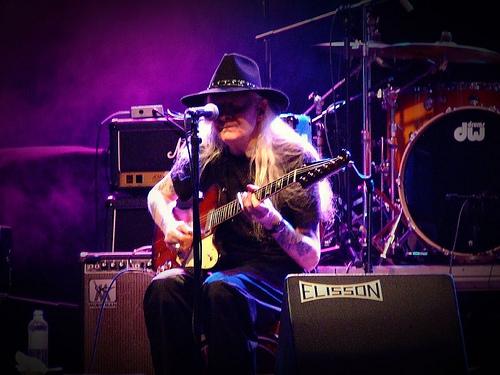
<point>295,243</point>
<point>166,186</point>
<point>160,199</point>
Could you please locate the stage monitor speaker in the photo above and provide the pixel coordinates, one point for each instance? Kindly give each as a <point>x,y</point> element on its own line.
<point>122,346</point>
<point>129,224</point>
<point>141,151</point>
<point>372,324</point>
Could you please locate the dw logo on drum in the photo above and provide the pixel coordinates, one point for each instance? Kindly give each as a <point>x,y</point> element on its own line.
<point>473,131</point>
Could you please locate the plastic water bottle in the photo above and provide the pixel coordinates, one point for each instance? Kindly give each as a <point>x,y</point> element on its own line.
<point>38,337</point>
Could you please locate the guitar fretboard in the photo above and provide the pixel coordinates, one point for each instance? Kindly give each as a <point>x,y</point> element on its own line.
<point>233,208</point>
<point>307,174</point>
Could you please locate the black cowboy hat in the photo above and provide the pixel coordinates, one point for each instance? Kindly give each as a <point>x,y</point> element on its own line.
<point>237,73</point>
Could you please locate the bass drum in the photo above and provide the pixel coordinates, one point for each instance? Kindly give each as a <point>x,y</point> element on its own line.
<point>449,183</point>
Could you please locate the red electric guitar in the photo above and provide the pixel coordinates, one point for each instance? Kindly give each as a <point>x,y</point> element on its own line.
<point>211,216</point>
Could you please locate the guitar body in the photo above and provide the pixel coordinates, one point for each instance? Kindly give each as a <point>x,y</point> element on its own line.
<point>165,258</point>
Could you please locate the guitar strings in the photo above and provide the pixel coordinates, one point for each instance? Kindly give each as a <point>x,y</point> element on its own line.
<point>234,208</point>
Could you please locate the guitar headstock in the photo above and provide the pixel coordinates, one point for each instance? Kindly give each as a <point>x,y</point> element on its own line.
<point>315,171</point>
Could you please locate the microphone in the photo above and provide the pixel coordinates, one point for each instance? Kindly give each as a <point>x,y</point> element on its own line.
<point>209,111</point>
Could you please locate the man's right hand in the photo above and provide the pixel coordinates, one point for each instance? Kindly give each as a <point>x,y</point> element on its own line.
<point>179,233</point>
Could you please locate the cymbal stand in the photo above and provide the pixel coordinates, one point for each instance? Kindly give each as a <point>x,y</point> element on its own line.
<point>390,96</point>
<point>368,28</point>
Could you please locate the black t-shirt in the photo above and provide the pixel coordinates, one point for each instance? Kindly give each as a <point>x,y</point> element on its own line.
<point>235,238</point>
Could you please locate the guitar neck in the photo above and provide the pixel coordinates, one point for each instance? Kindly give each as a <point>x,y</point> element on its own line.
<point>233,208</point>
<point>305,176</point>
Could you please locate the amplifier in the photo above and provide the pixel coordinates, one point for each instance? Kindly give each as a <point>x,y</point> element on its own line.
<point>129,225</point>
<point>141,151</point>
<point>114,286</point>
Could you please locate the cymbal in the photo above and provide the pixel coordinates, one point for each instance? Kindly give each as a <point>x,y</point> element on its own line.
<point>439,51</point>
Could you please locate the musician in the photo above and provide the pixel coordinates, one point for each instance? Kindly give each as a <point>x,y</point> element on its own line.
<point>247,146</point>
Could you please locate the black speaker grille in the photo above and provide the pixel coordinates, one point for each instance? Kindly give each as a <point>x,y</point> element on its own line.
<point>410,326</point>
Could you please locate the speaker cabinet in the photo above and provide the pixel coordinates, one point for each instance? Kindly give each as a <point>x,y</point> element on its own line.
<point>129,224</point>
<point>377,324</point>
<point>141,150</point>
<point>114,286</point>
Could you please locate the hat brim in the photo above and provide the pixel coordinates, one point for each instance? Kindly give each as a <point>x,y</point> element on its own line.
<point>276,97</point>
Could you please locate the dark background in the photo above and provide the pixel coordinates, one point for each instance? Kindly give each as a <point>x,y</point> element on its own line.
<point>67,65</point>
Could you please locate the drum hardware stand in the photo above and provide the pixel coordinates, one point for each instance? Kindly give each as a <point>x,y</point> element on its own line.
<point>382,241</point>
<point>382,169</point>
<point>369,29</point>
<point>390,96</point>
<point>318,130</point>
<point>333,89</point>
<point>388,167</point>
<point>391,237</point>
<point>369,194</point>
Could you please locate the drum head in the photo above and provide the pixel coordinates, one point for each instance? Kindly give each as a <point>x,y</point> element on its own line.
<point>449,182</point>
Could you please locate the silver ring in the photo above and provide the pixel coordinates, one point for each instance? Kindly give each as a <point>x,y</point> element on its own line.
<point>177,246</point>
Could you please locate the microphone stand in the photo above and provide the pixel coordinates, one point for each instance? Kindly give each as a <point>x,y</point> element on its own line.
<point>347,134</point>
<point>192,121</point>
<point>305,22</point>
<point>367,131</point>
<point>265,36</point>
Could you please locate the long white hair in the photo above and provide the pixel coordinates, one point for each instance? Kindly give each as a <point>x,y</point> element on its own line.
<point>275,147</point>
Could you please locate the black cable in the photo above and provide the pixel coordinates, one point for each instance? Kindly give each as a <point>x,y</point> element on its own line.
<point>96,171</point>
<point>456,234</point>
<point>338,135</point>
<point>332,83</point>
<point>490,274</point>
<point>360,175</point>
<point>370,187</point>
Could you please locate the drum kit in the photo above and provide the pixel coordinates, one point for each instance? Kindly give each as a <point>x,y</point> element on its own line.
<point>440,168</point>
<point>439,190</point>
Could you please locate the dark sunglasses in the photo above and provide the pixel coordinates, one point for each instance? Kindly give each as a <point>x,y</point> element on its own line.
<point>231,110</point>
